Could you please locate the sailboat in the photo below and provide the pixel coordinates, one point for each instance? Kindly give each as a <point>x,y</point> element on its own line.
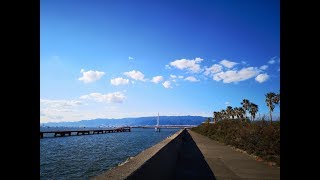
<point>157,128</point>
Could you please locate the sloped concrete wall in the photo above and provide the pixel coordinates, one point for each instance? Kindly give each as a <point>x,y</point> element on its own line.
<point>156,162</point>
<point>163,164</point>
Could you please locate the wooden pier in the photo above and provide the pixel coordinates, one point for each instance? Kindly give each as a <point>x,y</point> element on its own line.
<point>85,132</point>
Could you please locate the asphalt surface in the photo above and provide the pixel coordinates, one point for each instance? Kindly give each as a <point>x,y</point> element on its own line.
<point>227,163</point>
<point>191,164</point>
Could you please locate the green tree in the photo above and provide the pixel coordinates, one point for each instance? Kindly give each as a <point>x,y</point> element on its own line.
<point>230,112</point>
<point>276,99</point>
<point>236,112</point>
<point>253,110</point>
<point>215,116</point>
<point>241,112</point>
<point>220,116</point>
<point>208,120</point>
<point>223,114</point>
<point>245,105</point>
<point>270,99</point>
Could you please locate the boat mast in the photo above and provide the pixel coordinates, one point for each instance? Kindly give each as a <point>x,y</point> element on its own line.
<point>157,128</point>
<point>158,120</point>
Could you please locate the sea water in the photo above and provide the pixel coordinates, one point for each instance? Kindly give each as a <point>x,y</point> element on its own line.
<point>84,156</point>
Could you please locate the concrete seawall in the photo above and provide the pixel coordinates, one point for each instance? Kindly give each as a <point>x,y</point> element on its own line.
<point>189,155</point>
<point>160,159</point>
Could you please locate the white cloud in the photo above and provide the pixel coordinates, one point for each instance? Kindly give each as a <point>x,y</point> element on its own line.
<point>243,62</point>
<point>90,76</point>
<point>157,79</point>
<point>264,67</point>
<point>180,77</point>
<point>191,65</point>
<point>228,64</point>
<point>119,81</point>
<point>97,110</point>
<point>273,60</point>
<point>167,84</point>
<point>262,78</point>
<point>198,59</point>
<point>213,69</point>
<point>227,103</point>
<point>173,76</point>
<point>59,104</point>
<point>191,79</point>
<point>54,110</point>
<point>130,58</point>
<point>167,66</point>
<point>136,75</point>
<point>116,97</point>
<point>236,76</point>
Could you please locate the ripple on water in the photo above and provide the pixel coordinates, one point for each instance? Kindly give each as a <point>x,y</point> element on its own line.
<point>80,157</point>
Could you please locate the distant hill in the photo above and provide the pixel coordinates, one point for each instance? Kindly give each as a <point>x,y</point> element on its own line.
<point>141,121</point>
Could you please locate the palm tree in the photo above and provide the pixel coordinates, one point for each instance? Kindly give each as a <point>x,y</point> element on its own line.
<point>245,105</point>
<point>270,99</point>
<point>276,99</point>
<point>219,116</point>
<point>236,112</point>
<point>223,114</point>
<point>253,110</point>
<point>230,112</point>
<point>208,120</point>
<point>233,113</point>
<point>239,112</point>
<point>215,116</point>
<point>242,112</point>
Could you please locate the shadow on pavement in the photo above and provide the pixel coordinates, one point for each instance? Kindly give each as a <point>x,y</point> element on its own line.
<point>190,162</point>
<point>180,159</point>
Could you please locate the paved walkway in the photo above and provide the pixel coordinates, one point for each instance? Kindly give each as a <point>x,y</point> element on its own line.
<point>190,163</point>
<point>226,163</point>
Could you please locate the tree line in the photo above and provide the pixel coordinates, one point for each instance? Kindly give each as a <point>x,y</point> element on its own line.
<point>271,100</point>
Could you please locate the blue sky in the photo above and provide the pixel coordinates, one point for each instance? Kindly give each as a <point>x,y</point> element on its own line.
<point>122,58</point>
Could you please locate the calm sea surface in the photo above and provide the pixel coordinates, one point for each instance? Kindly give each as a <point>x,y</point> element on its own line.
<point>80,157</point>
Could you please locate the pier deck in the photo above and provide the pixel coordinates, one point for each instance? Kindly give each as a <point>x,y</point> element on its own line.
<point>84,132</point>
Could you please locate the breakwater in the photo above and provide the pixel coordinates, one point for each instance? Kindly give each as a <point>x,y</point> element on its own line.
<point>176,157</point>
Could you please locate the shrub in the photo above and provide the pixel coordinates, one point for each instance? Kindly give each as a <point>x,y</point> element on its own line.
<point>260,138</point>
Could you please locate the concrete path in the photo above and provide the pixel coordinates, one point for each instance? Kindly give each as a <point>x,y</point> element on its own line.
<point>226,163</point>
<point>190,163</point>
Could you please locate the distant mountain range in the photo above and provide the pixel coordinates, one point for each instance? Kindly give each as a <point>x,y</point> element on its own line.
<point>141,121</point>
